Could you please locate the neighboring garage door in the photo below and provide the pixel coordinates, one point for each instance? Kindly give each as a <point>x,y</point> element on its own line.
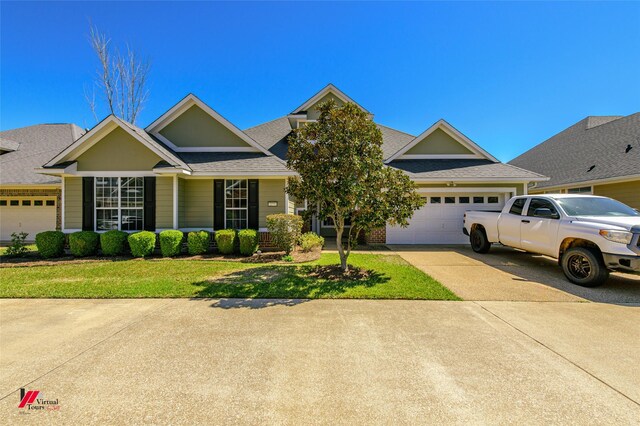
<point>26,214</point>
<point>440,221</point>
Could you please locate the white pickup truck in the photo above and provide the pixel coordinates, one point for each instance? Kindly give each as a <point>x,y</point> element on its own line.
<point>588,235</point>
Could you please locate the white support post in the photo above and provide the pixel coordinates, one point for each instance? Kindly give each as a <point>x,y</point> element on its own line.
<point>175,201</point>
<point>62,207</point>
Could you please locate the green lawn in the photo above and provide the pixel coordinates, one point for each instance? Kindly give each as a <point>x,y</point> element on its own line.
<point>390,278</point>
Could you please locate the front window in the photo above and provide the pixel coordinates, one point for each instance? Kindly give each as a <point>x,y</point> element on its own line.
<point>236,203</point>
<point>593,206</point>
<point>119,203</point>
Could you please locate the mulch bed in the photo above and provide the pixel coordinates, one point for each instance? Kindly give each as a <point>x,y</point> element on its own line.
<point>335,273</point>
<point>269,257</point>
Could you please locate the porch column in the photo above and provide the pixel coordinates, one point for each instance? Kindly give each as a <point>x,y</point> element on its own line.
<point>175,202</point>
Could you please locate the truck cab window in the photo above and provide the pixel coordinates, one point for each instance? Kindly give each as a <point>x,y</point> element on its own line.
<point>540,203</point>
<point>517,206</point>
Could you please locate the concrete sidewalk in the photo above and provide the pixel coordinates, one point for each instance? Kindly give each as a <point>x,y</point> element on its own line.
<point>326,361</point>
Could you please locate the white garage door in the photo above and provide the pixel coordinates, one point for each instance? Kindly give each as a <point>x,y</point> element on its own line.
<point>30,215</point>
<point>440,221</point>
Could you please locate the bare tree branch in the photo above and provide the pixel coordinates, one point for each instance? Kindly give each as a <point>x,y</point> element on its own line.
<point>122,78</point>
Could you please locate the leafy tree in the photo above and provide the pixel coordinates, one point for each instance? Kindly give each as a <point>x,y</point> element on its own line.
<point>342,175</point>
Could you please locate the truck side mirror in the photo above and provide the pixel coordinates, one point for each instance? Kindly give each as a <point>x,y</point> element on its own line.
<point>545,213</point>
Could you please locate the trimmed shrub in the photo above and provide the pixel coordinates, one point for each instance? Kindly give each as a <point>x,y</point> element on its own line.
<point>285,230</point>
<point>83,243</point>
<point>226,240</point>
<point>18,247</point>
<point>50,244</point>
<point>142,243</point>
<point>113,242</point>
<point>310,241</point>
<point>198,242</point>
<point>171,242</point>
<point>248,241</point>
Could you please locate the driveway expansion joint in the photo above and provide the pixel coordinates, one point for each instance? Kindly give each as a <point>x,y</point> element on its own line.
<point>479,303</point>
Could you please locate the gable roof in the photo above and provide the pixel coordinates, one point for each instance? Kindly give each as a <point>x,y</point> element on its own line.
<point>602,142</point>
<point>329,88</point>
<point>186,103</point>
<point>451,131</point>
<point>33,146</point>
<point>111,122</point>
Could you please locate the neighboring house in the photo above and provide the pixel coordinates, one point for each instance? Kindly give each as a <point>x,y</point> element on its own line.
<point>192,169</point>
<point>30,202</point>
<point>598,155</point>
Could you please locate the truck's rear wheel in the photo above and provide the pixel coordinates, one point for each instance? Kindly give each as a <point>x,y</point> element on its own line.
<point>479,241</point>
<point>584,266</point>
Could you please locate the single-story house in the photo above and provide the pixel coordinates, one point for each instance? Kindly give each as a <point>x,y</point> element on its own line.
<point>29,201</point>
<point>192,169</point>
<point>598,155</point>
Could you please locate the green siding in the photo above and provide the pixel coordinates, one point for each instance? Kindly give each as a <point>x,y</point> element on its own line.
<point>118,151</point>
<point>198,203</point>
<point>270,190</point>
<point>438,143</point>
<point>181,203</point>
<point>196,128</point>
<point>314,114</point>
<point>164,202</point>
<point>73,203</point>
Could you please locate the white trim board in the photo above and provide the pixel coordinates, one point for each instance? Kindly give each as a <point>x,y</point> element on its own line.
<point>452,132</point>
<point>186,103</point>
<point>329,88</point>
<point>469,190</point>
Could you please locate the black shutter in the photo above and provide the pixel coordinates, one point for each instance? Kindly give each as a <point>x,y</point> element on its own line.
<point>87,203</point>
<point>150,203</point>
<point>253,204</point>
<point>218,204</point>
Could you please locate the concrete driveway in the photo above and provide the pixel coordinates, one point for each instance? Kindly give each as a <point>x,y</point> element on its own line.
<point>327,361</point>
<point>508,274</point>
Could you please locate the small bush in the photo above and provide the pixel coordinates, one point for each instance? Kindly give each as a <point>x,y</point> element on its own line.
<point>310,241</point>
<point>83,243</point>
<point>287,258</point>
<point>113,242</point>
<point>18,247</point>
<point>226,240</point>
<point>248,241</point>
<point>50,244</point>
<point>285,230</point>
<point>171,242</point>
<point>198,242</point>
<point>142,243</point>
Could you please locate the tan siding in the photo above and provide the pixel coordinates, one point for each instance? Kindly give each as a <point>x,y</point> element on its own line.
<point>198,203</point>
<point>196,128</point>
<point>73,203</point>
<point>627,192</point>
<point>118,151</point>
<point>164,202</point>
<point>181,203</point>
<point>270,190</point>
<point>438,142</point>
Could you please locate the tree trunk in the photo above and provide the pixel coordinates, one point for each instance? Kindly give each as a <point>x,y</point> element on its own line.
<point>343,256</point>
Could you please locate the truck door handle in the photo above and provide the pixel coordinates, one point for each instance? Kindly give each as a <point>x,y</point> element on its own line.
<point>526,221</point>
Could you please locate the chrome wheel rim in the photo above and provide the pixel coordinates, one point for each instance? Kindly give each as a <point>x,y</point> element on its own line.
<point>579,266</point>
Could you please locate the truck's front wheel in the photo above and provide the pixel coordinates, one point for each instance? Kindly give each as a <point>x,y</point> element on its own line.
<point>584,266</point>
<point>479,241</point>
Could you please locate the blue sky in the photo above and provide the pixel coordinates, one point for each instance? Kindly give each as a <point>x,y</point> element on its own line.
<point>508,75</point>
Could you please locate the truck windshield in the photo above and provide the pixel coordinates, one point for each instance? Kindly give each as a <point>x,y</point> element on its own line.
<point>591,206</point>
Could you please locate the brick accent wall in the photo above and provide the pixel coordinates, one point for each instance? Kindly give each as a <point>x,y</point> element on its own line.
<point>38,192</point>
<point>377,236</point>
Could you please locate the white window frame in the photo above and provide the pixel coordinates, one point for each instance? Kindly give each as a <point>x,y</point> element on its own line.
<point>236,208</point>
<point>119,208</point>
<point>581,192</point>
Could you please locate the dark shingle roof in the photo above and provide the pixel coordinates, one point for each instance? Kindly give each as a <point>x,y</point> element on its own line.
<point>273,136</point>
<point>594,141</point>
<point>37,145</point>
<point>232,162</point>
<point>455,169</point>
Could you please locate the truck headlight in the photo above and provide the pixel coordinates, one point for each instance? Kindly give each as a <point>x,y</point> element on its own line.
<point>622,237</point>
